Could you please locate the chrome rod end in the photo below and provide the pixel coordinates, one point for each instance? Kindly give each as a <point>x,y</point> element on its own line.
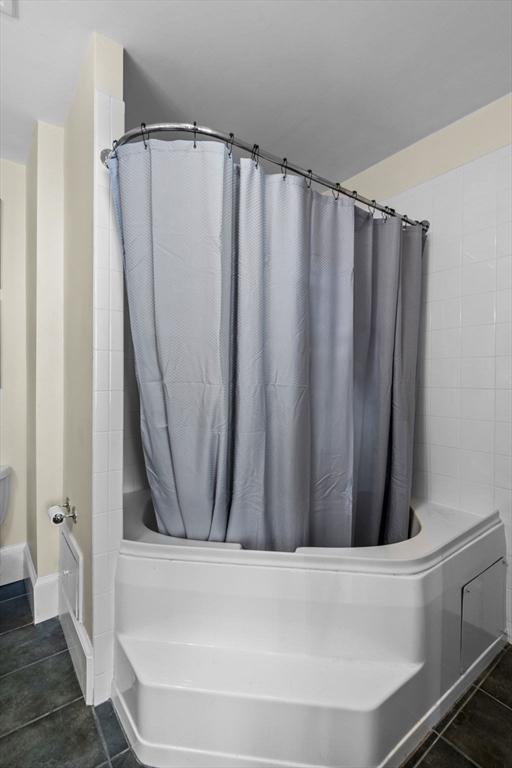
<point>104,156</point>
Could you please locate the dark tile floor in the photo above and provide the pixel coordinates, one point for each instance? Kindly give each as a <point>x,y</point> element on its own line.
<point>44,722</point>
<point>478,730</point>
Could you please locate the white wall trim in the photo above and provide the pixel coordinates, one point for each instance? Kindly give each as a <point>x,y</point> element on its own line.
<point>80,649</point>
<point>77,638</point>
<point>42,591</point>
<point>12,563</point>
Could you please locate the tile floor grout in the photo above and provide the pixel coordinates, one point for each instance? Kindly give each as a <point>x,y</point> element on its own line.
<point>102,737</point>
<point>13,629</point>
<point>441,735</point>
<point>456,712</point>
<point>40,717</point>
<point>33,663</point>
<point>415,765</point>
<point>14,597</point>
<point>498,701</point>
<point>456,748</point>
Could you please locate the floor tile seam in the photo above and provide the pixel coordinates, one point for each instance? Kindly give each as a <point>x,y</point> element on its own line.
<point>494,698</point>
<point>460,751</point>
<point>33,663</point>
<point>492,666</point>
<point>40,717</point>
<point>127,740</point>
<point>418,762</point>
<point>13,629</point>
<point>101,735</point>
<point>14,597</point>
<point>457,711</point>
<point>123,752</point>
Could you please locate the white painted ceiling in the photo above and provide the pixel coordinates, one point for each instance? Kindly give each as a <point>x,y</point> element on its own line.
<point>335,85</point>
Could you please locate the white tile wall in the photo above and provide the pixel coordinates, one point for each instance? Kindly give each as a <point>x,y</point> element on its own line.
<point>107,399</point>
<point>463,452</point>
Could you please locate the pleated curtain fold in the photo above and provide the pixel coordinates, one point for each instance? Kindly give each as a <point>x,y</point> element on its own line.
<point>275,333</point>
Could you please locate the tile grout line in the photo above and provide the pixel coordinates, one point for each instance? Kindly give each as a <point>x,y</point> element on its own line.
<point>102,737</point>
<point>457,749</point>
<point>440,734</point>
<point>474,688</point>
<point>492,666</point>
<point>33,663</point>
<point>498,701</point>
<point>14,597</point>
<point>41,717</point>
<point>13,629</point>
<point>456,713</point>
<point>437,737</point>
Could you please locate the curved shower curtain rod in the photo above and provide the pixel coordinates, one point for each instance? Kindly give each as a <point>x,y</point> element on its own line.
<point>256,153</point>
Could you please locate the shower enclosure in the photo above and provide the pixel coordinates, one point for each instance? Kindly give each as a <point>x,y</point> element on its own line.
<point>275,332</point>
<point>277,601</point>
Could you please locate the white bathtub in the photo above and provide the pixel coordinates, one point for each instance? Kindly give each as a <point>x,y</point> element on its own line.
<point>230,658</point>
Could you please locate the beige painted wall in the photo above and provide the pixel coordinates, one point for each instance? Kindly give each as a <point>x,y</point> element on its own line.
<point>45,201</point>
<point>44,341</point>
<point>475,135</point>
<point>13,357</point>
<point>78,254</point>
<point>30,343</point>
<point>49,372</point>
<point>101,70</point>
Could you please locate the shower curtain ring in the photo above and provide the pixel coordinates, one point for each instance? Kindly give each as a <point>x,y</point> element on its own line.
<point>309,179</point>
<point>284,167</point>
<point>231,140</point>
<point>195,134</point>
<point>255,154</point>
<point>143,129</point>
<point>371,208</point>
<point>336,194</point>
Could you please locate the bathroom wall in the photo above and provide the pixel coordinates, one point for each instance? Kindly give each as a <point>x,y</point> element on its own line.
<point>44,285</point>
<point>463,451</point>
<point>467,139</point>
<point>101,71</point>
<point>13,448</point>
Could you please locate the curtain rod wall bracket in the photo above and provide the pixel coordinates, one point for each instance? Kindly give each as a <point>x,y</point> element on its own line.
<point>230,140</point>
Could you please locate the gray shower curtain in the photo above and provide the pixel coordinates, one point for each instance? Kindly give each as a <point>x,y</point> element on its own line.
<point>387,301</point>
<point>274,330</point>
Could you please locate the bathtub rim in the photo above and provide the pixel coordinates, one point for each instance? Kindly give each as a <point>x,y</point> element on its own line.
<point>444,530</point>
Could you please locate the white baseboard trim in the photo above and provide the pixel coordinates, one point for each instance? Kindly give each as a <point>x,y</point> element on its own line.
<point>42,591</point>
<point>70,612</point>
<point>12,563</point>
<point>80,648</point>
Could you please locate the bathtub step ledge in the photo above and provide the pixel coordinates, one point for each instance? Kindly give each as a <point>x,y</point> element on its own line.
<point>302,710</point>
